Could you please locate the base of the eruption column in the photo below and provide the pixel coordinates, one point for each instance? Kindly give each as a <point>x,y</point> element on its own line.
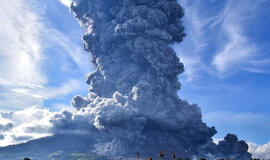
<point>117,150</point>
<point>79,146</point>
<point>230,147</point>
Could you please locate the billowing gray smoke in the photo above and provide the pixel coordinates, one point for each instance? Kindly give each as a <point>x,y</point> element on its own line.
<point>132,103</point>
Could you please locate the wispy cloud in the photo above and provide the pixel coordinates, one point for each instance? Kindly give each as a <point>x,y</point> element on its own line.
<point>218,41</point>
<point>237,49</point>
<point>20,49</point>
<point>236,53</point>
<point>28,43</point>
<point>63,42</point>
<point>48,92</point>
<point>25,40</point>
<point>192,50</point>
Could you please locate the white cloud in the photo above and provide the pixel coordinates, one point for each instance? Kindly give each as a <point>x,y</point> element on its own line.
<point>24,39</point>
<point>28,124</point>
<point>65,2</point>
<point>25,36</point>
<point>20,52</point>
<point>259,151</point>
<point>216,140</point>
<point>68,2</point>
<point>20,48</point>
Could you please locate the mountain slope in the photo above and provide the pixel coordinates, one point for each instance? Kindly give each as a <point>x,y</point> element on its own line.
<point>57,146</point>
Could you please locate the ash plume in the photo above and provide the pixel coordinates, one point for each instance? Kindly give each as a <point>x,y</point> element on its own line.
<point>132,103</point>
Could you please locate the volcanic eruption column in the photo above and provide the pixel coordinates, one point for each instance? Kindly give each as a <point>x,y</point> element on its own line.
<point>132,103</point>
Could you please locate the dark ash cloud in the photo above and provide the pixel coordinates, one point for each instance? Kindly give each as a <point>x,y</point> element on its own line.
<point>132,103</point>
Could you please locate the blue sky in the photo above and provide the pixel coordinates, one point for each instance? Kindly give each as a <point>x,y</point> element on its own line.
<point>226,55</point>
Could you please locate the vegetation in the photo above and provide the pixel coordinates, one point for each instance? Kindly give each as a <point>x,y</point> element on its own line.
<point>81,156</point>
<point>74,156</point>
